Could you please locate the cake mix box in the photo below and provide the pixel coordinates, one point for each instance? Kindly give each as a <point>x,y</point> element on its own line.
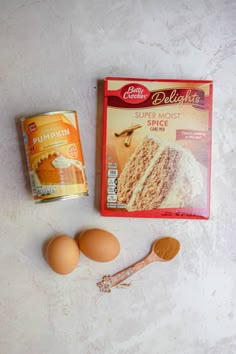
<point>156,148</point>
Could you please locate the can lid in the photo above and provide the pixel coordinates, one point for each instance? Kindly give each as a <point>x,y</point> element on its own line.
<point>47,113</point>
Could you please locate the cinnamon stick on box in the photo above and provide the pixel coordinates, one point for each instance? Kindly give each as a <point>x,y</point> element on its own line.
<point>129,130</point>
<point>128,139</point>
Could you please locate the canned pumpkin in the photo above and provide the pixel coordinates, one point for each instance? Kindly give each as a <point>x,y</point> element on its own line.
<point>54,156</point>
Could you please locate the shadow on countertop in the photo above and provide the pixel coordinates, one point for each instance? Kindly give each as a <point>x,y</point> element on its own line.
<point>99,131</point>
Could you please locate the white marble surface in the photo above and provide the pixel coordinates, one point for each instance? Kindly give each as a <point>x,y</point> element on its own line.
<point>51,55</point>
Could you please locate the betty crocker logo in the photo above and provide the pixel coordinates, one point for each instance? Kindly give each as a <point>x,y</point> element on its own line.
<point>134,93</point>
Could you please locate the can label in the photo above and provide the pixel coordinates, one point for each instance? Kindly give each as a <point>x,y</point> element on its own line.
<point>54,155</point>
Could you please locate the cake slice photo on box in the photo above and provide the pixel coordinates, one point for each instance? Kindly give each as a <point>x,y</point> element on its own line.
<point>160,174</point>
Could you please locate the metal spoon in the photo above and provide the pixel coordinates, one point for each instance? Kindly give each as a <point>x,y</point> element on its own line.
<point>162,250</point>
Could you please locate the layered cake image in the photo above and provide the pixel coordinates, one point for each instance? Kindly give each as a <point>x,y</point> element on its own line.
<point>159,174</point>
<point>56,169</point>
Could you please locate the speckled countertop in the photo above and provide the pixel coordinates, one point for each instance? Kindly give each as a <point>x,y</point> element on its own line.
<point>52,55</point>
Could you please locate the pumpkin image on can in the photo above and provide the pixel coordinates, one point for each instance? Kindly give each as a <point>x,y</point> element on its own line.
<point>54,156</point>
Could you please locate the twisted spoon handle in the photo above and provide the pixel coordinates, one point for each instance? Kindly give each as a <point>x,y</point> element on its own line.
<point>109,281</point>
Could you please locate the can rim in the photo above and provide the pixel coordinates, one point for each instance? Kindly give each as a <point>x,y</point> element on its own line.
<point>62,197</point>
<point>47,113</point>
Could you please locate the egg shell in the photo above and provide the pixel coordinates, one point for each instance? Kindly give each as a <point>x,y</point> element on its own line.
<point>99,245</point>
<point>62,254</point>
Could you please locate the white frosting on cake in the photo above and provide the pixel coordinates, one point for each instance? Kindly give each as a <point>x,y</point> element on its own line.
<point>188,183</point>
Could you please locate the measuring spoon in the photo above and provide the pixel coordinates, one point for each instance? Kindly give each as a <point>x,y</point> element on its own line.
<point>162,250</point>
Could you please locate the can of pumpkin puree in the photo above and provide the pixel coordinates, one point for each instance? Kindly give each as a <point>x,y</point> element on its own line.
<point>54,156</point>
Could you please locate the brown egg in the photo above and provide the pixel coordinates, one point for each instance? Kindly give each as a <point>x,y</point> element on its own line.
<point>99,245</point>
<point>62,254</point>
